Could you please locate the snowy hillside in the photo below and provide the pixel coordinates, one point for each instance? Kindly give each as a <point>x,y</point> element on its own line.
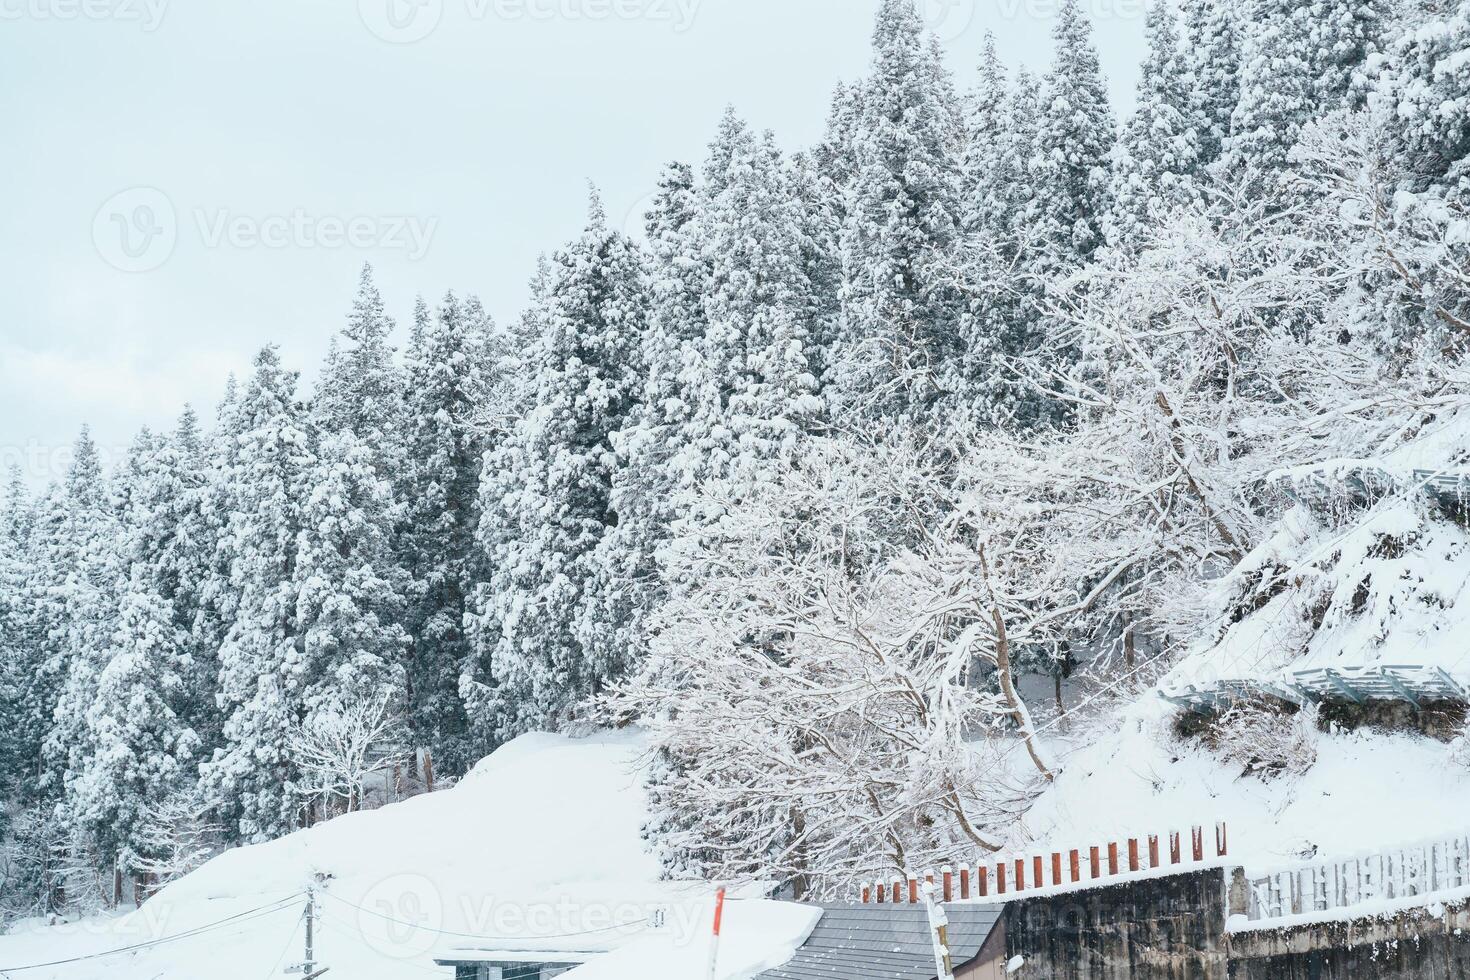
<point>1386,584</point>
<point>539,846</point>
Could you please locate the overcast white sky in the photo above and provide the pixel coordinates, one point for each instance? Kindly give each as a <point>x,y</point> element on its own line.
<point>186,180</point>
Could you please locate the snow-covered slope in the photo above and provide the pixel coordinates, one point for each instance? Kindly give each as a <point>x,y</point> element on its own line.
<point>1365,791</point>
<point>539,847</point>
<point>1373,583</point>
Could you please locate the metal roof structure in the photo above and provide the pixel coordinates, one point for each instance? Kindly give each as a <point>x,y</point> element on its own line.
<point>1414,685</point>
<point>885,942</point>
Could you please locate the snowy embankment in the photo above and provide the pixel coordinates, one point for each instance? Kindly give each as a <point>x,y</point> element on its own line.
<point>1389,586</point>
<point>538,848</point>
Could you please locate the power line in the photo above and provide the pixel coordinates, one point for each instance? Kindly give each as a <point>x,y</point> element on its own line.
<point>273,971</point>
<point>187,934</point>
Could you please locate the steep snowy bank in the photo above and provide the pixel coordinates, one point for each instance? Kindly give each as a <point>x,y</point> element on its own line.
<point>1349,579</point>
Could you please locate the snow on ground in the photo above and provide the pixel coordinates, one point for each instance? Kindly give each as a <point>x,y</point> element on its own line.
<point>1392,589</point>
<point>756,936</point>
<point>1367,790</point>
<point>539,847</point>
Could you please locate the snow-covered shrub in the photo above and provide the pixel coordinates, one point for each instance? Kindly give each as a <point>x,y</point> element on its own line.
<point>1266,738</point>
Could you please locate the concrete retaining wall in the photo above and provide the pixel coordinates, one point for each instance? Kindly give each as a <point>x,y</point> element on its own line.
<point>1158,929</point>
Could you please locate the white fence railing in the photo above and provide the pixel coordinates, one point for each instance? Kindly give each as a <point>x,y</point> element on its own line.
<point>1412,871</point>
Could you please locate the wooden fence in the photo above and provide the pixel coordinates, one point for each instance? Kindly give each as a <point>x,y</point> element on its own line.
<point>1416,870</point>
<point>1070,869</point>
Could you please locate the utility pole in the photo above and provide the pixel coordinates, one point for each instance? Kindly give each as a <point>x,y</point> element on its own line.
<point>307,967</point>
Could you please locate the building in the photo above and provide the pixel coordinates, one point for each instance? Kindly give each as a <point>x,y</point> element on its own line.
<point>489,964</point>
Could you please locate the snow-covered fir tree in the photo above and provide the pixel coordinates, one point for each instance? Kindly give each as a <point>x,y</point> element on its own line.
<point>262,663</point>
<point>137,749</point>
<point>1158,157</point>
<point>653,466</point>
<point>80,577</point>
<point>168,541</point>
<point>989,163</point>
<point>1212,38</point>
<point>1278,88</point>
<point>903,212</point>
<point>20,640</point>
<point>445,444</point>
<point>546,497</point>
<point>361,390</point>
<point>1345,33</point>
<point>750,373</point>
<point>1074,143</point>
<point>350,600</point>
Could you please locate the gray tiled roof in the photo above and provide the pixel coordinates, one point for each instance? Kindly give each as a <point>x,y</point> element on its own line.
<point>885,942</point>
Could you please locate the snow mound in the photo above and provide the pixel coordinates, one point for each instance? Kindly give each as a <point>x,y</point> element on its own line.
<point>539,847</point>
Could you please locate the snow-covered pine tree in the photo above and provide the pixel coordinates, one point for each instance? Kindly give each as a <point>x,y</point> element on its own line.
<point>652,465</point>
<point>349,599</point>
<point>218,596</point>
<point>1000,266</point>
<point>262,663</point>
<point>820,237</point>
<point>361,390</point>
<point>897,329</point>
<point>167,540</point>
<point>1423,85</point>
<point>1212,30</point>
<point>546,497</point>
<point>135,749</point>
<point>20,646</point>
<point>1158,157</point>
<point>1074,142</point>
<point>1278,89</point>
<point>987,164</point>
<point>751,371</point>
<point>80,581</point>
<point>1345,33</point>
<point>445,446</point>
<point>835,155</point>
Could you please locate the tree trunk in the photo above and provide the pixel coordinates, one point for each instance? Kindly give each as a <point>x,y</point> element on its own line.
<point>1019,714</point>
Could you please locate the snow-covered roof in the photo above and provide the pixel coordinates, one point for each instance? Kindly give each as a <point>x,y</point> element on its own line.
<point>885,942</point>
<point>755,936</point>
